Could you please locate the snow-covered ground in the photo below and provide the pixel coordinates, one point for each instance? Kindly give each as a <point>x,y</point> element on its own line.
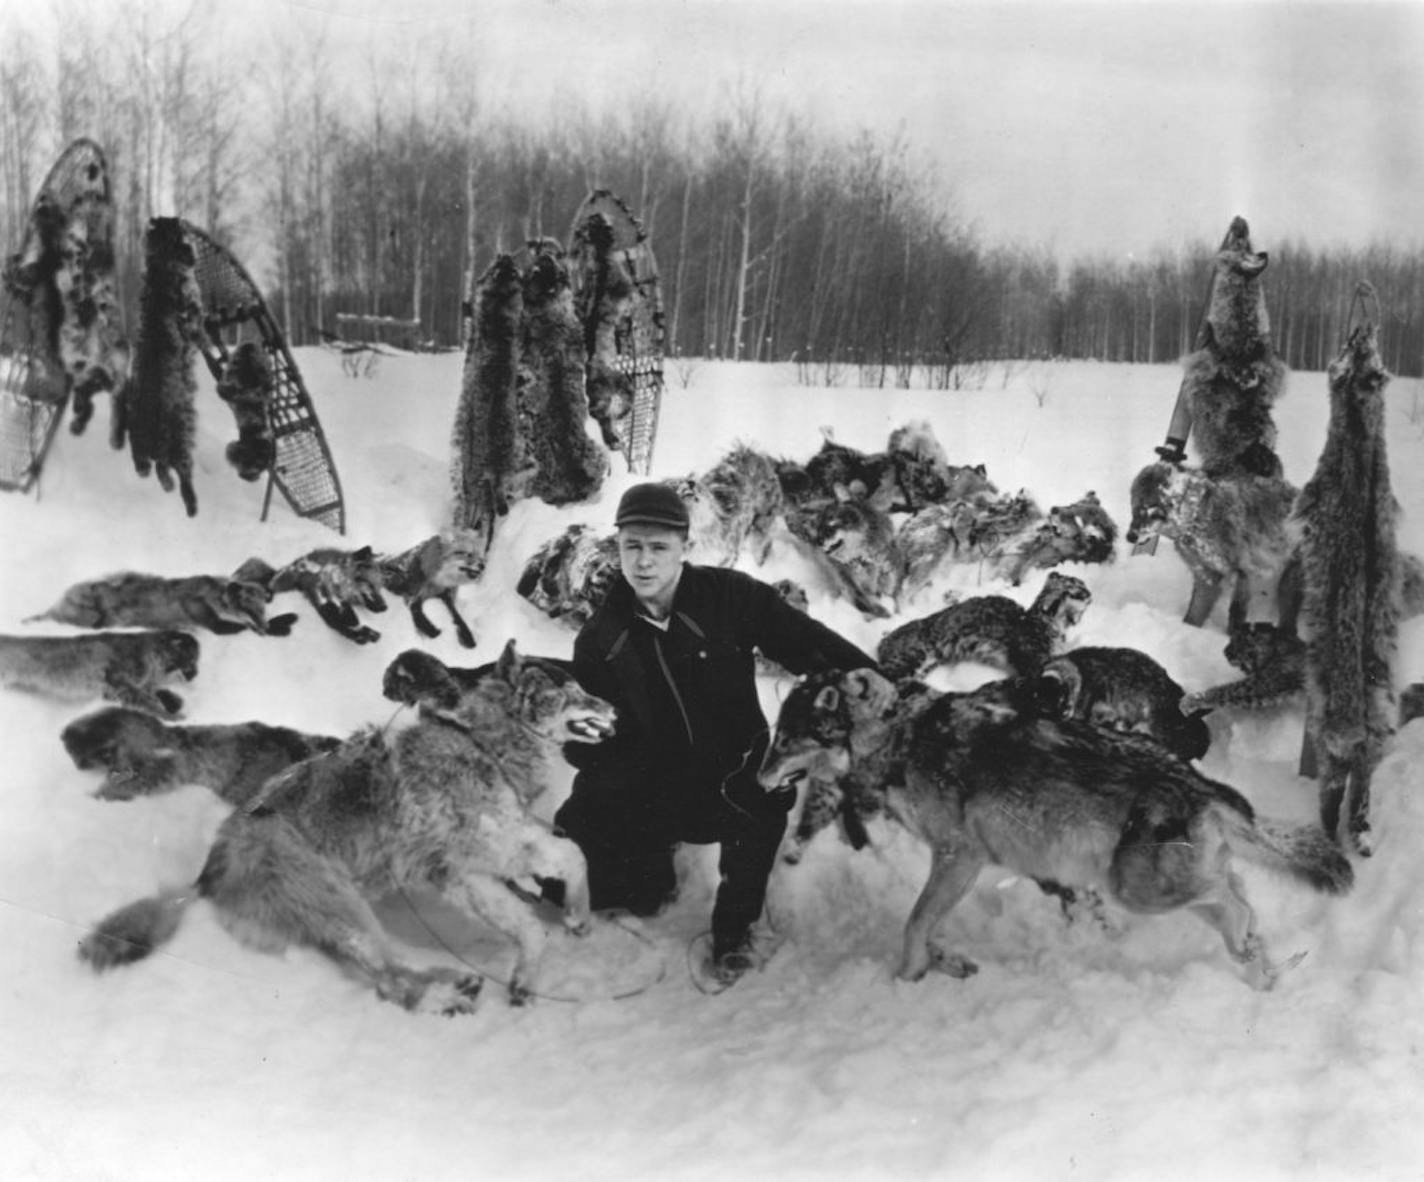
<point>1072,1054</point>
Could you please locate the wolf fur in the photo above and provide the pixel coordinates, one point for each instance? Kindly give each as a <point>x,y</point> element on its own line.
<point>131,599</point>
<point>130,668</point>
<point>852,542</point>
<point>491,465</point>
<point>1231,382</point>
<point>988,629</point>
<point>1352,582</point>
<point>435,569</point>
<point>417,678</point>
<point>155,407</point>
<point>985,781</point>
<point>1227,529</point>
<point>553,406</point>
<point>143,756</point>
<point>246,385</point>
<point>1124,690</point>
<point>733,506</point>
<point>1079,532</point>
<point>603,305</point>
<point>568,576</point>
<point>334,582</point>
<point>440,807</point>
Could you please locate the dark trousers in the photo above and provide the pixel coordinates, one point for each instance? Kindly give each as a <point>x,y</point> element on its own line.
<point>627,828</point>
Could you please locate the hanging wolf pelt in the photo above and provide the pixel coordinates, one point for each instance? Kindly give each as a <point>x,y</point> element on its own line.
<point>1233,379</point>
<point>553,413</point>
<point>92,347</point>
<point>155,407</point>
<point>604,300</point>
<point>245,384</point>
<point>1352,578</point>
<point>490,465</point>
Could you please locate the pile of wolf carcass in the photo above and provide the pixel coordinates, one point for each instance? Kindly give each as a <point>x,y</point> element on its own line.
<point>1075,769</point>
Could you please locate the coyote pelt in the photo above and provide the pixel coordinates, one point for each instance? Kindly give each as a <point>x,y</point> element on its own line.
<point>982,780</point>
<point>1234,378</point>
<point>553,405</point>
<point>131,668</point>
<point>142,756</point>
<point>437,808</point>
<point>568,576</point>
<point>246,384</point>
<point>1227,529</point>
<point>1079,532</point>
<point>1125,690</point>
<point>989,630</point>
<point>133,599</point>
<point>155,408</point>
<point>435,569</point>
<point>1352,580</point>
<point>605,298</point>
<point>491,466</point>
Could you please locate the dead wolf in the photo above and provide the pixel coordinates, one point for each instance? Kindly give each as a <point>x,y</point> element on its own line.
<point>984,781</point>
<point>132,599</point>
<point>1228,529</point>
<point>130,668</point>
<point>568,576</point>
<point>438,807</point>
<point>143,756</point>
<point>1078,532</point>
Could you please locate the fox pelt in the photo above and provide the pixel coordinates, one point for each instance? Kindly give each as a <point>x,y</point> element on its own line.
<point>155,408</point>
<point>1352,579</point>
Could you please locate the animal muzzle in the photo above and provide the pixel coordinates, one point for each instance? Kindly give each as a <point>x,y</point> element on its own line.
<point>786,766</point>
<point>590,728</point>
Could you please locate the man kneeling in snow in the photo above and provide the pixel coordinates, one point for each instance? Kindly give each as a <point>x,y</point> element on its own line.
<point>672,648</point>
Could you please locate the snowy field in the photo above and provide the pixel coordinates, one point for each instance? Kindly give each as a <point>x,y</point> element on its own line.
<point>1072,1054</point>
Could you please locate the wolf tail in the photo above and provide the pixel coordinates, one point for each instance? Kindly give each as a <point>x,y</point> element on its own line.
<point>132,932</point>
<point>1303,852</point>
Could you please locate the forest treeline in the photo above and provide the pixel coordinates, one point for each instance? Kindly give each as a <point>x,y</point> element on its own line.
<point>776,239</point>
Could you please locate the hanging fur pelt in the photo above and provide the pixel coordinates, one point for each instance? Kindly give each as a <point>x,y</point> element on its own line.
<point>604,299</point>
<point>1352,576</point>
<point>1231,382</point>
<point>570,464</point>
<point>155,408</point>
<point>245,384</point>
<point>490,466</point>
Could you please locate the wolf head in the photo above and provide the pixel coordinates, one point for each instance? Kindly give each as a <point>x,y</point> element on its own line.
<point>825,716</point>
<point>550,702</point>
<point>1063,599</point>
<point>132,746</point>
<point>1236,316</point>
<point>245,602</point>
<point>1154,498</point>
<point>1359,369</point>
<point>177,653</point>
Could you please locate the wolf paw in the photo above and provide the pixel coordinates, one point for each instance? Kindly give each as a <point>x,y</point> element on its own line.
<point>952,964</point>
<point>281,625</point>
<point>465,996</point>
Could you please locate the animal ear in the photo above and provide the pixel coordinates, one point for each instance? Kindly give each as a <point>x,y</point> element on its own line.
<point>364,554</point>
<point>843,494</point>
<point>828,699</point>
<point>508,660</point>
<point>1058,688</point>
<point>869,686</point>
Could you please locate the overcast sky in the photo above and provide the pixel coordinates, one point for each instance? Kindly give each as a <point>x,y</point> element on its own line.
<point>1088,126</point>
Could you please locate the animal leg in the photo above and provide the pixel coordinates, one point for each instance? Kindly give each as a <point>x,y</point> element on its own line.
<point>1227,910</point>
<point>1206,590</point>
<point>272,889</point>
<point>342,618</point>
<point>952,873</point>
<point>823,805</point>
<point>491,899</point>
<point>462,629</point>
<point>127,692</point>
<point>421,620</point>
<point>1357,811</point>
<point>1334,781</point>
<point>548,856</point>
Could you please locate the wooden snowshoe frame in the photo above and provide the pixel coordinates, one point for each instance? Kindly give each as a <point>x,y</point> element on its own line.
<point>234,311</point>
<point>640,339</point>
<point>34,389</point>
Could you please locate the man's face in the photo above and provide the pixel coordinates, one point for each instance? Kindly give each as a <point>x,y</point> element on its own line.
<point>651,557</point>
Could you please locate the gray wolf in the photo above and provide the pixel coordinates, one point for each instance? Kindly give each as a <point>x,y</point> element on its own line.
<point>246,385</point>
<point>988,629</point>
<point>568,576</point>
<point>131,599</point>
<point>853,543</point>
<point>155,407</point>
<point>434,569</point>
<point>733,505</point>
<point>441,806</point>
<point>1226,528</point>
<point>1078,532</point>
<point>604,300</point>
<point>1125,690</point>
<point>334,582</point>
<point>130,668</point>
<point>1233,379</point>
<point>143,756</point>
<point>984,781</point>
<point>491,466</point>
<point>1352,580</point>
<point>553,405</point>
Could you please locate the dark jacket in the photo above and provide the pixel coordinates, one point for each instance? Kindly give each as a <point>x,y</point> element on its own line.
<point>688,714</point>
